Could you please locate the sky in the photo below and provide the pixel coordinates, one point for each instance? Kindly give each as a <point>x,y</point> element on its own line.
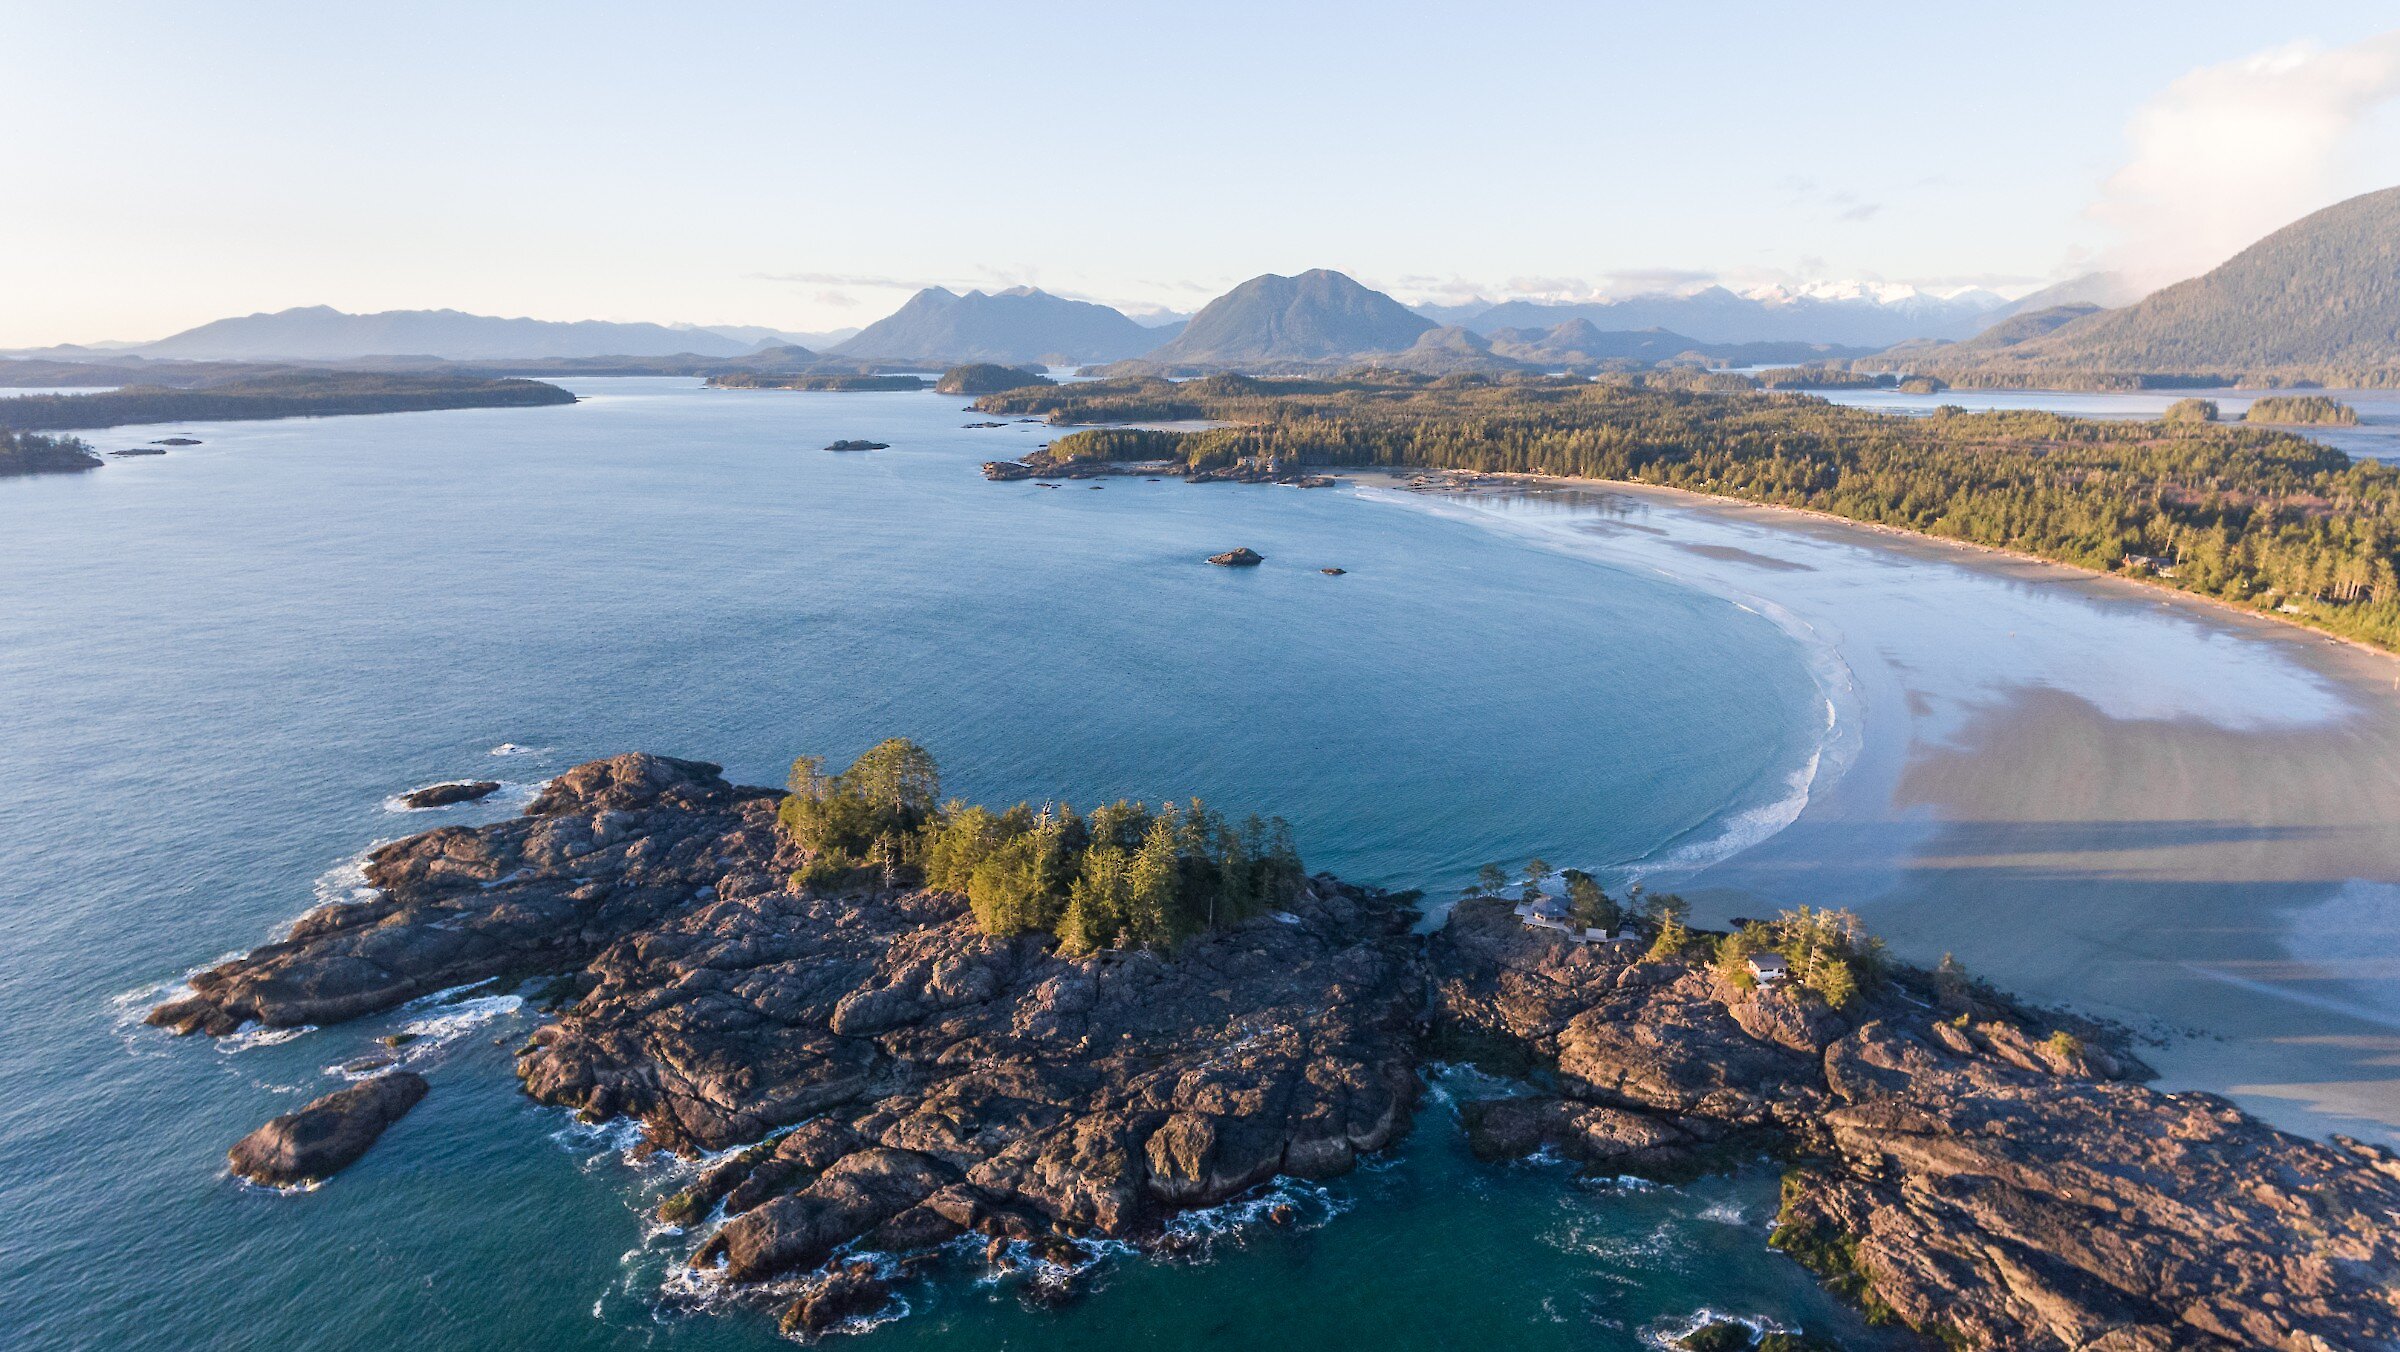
<point>806,166</point>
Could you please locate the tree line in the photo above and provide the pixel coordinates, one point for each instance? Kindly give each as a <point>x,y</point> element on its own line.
<point>1124,875</point>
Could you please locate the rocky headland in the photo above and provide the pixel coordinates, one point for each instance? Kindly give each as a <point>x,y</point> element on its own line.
<point>898,1076</point>
<point>868,1068</point>
<point>1960,1165</point>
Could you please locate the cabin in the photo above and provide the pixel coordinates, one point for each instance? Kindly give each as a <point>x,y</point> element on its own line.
<point>2150,563</point>
<point>1770,969</point>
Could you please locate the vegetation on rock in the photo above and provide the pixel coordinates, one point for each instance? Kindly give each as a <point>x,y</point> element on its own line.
<point>1124,875</point>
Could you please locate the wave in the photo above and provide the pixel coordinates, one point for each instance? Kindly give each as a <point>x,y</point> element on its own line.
<point>1838,739</point>
<point>1670,1331</point>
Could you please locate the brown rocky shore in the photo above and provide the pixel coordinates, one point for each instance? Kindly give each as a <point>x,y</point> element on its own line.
<point>1956,1168</point>
<point>900,1076</point>
<point>879,1072</point>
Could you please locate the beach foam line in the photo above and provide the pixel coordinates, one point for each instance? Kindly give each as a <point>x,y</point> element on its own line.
<point>1839,740</point>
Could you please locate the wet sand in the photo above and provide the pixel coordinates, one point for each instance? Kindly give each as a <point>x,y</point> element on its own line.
<point>2151,808</point>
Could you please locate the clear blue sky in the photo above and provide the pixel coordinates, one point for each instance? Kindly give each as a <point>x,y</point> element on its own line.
<point>803,166</point>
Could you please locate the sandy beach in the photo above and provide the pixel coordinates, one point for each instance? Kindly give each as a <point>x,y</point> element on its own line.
<point>2154,809</point>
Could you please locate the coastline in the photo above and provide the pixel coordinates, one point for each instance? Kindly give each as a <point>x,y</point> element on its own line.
<point>1634,488</point>
<point>2146,811</point>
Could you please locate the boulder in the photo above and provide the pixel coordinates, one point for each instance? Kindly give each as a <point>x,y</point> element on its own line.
<point>443,795</point>
<point>1244,557</point>
<point>328,1135</point>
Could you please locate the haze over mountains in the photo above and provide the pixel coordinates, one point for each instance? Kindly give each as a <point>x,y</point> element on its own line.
<point>322,333</point>
<point>2317,299</point>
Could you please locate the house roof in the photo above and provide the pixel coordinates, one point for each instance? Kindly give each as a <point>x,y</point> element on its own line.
<point>1769,962</point>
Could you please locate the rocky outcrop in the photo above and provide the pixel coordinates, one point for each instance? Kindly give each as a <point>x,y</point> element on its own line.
<point>1244,557</point>
<point>607,849</point>
<point>895,1078</point>
<point>1984,1183</point>
<point>328,1135</point>
<point>443,795</point>
<point>902,1077</point>
<point>851,1291</point>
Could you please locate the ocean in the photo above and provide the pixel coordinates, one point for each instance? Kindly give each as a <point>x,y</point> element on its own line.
<point>220,666</point>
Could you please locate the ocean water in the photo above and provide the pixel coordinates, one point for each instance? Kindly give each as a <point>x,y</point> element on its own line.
<point>219,665</point>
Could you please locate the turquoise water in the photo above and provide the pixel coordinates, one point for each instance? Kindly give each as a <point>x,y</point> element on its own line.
<point>218,665</point>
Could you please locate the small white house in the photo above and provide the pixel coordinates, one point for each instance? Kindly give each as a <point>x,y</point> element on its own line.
<point>1770,969</point>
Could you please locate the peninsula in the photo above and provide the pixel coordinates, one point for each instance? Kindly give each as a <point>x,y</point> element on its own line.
<point>294,393</point>
<point>1047,1027</point>
<point>2242,514</point>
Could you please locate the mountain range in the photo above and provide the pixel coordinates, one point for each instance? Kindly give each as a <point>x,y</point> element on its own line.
<point>322,333</point>
<point>939,327</point>
<point>1717,314</point>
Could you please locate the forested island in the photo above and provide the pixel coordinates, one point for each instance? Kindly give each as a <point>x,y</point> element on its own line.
<point>2241,514</point>
<point>32,453</point>
<point>290,393</point>
<point>921,1020</point>
<point>852,383</point>
<point>2301,410</point>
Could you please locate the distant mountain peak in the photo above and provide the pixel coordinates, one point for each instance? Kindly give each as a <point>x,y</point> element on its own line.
<point>323,333</point>
<point>1020,324</point>
<point>1316,315</point>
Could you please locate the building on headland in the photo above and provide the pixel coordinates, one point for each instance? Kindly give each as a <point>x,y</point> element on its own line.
<point>1550,913</point>
<point>1770,969</point>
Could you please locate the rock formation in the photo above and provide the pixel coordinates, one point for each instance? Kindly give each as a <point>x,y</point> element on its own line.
<point>1244,557</point>
<point>1986,1185</point>
<point>897,1077</point>
<point>443,795</point>
<point>328,1135</point>
<point>907,1076</point>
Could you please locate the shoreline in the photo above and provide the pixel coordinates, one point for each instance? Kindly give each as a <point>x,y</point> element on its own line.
<point>2109,802</point>
<point>1637,488</point>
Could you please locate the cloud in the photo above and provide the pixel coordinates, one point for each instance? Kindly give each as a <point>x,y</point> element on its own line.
<point>2230,152</point>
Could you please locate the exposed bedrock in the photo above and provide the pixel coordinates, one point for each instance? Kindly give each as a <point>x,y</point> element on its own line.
<point>1988,1185</point>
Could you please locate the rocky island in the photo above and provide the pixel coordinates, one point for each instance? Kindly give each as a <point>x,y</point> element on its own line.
<point>918,1022</point>
<point>32,453</point>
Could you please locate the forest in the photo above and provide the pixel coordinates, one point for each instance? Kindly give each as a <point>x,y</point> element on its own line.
<point>287,394</point>
<point>2242,514</point>
<point>1124,875</point>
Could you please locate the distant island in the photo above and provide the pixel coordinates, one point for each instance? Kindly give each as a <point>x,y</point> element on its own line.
<point>285,393</point>
<point>987,378</point>
<point>752,380</point>
<point>2300,410</point>
<point>32,453</point>
<point>2242,514</point>
<point>896,1021</point>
